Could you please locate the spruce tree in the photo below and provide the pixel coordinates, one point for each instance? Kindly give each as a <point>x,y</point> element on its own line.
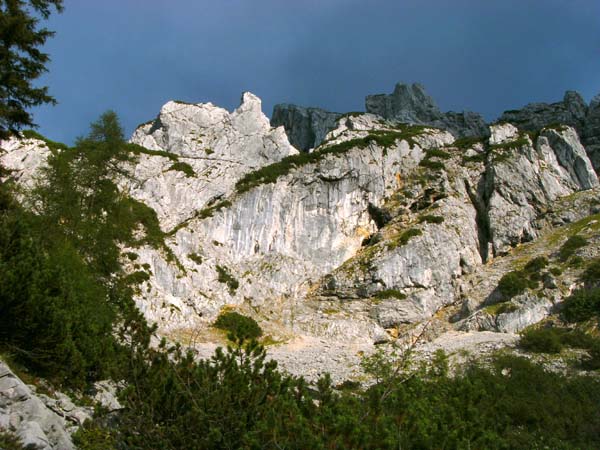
<point>22,61</point>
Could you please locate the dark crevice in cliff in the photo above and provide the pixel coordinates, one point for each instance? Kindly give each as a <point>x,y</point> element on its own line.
<point>480,200</point>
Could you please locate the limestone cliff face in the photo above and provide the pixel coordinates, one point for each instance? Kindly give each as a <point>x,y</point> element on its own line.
<point>218,146</point>
<point>313,238</point>
<point>380,227</point>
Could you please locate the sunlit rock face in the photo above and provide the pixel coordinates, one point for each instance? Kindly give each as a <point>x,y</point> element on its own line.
<point>218,146</point>
<point>375,229</point>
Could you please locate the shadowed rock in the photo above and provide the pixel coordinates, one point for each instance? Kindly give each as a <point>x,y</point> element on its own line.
<point>306,127</point>
<point>411,104</point>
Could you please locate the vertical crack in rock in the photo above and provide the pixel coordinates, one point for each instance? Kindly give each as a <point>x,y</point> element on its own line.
<point>479,199</point>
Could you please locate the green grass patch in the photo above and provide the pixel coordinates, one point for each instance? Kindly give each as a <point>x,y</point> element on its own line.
<point>52,145</point>
<point>390,293</point>
<point>501,308</point>
<point>184,167</point>
<point>436,153</point>
<point>403,238</point>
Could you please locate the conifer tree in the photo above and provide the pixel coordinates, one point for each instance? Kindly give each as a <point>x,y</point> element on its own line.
<point>22,61</point>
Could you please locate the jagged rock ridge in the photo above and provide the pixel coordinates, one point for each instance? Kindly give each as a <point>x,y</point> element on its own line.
<point>411,104</point>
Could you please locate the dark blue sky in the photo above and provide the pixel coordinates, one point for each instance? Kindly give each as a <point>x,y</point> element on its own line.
<point>482,55</point>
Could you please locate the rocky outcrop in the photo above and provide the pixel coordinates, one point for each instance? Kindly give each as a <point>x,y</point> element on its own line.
<point>219,147</point>
<point>523,178</point>
<point>23,158</point>
<point>38,424</point>
<point>277,237</point>
<point>591,132</point>
<point>570,111</point>
<point>411,104</point>
<point>306,128</point>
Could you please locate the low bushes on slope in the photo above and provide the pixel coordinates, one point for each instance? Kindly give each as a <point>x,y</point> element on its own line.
<point>239,400</point>
<point>238,325</point>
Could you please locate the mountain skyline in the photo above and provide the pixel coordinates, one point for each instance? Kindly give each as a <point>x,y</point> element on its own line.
<point>470,56</point>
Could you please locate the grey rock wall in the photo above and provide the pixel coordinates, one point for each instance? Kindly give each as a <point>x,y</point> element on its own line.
<point>411,104</point>
<point>306,128</point>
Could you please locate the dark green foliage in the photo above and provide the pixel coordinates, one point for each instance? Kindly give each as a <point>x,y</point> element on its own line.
<point>513,283</point>
<point>436,153</point>
<point>238,326</point>
<point>431,219</point>
<point>466,143</point>
<point>138,277</point>
<point>238,400</point>
<point>183,167</point>
<point>536,264</point>
<point>226,277</point>
<point>196,258</point>
<point>570,247</point>
<point>434,165</point>
<point>138,149</point>
<point>553,340</point>
<point>556,271</point>
<point>66,304</point>
<point>22,62</point>
<point>541,340</point>
<point>94,436</point>
<point>390,293</point>
<point>270,173</point>
<point>478,158</point>
<point>521,141</point>
<point>50,316</point>
<point>516,282</point>
<point>582,305</point>
<point>591,275</point>
<point>576,262</point>
<point>209,211</point>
